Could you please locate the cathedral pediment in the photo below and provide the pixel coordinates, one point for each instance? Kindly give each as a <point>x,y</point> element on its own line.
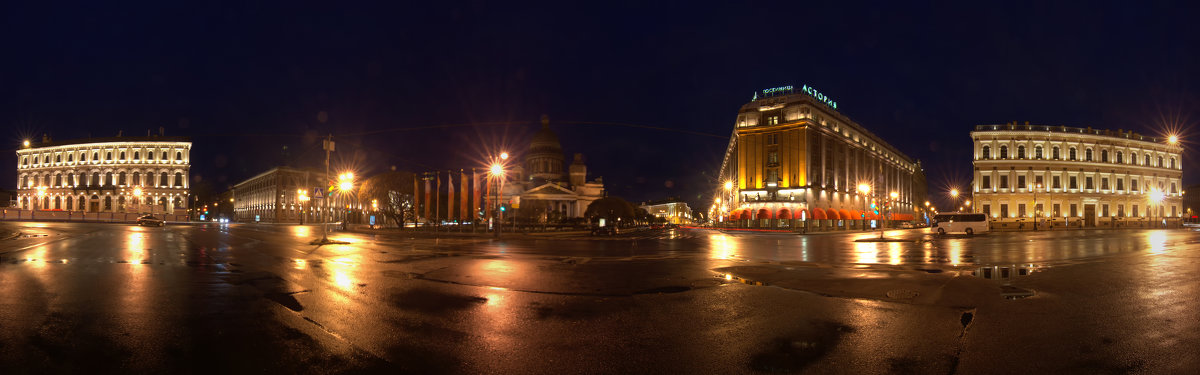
<point>549,189</point>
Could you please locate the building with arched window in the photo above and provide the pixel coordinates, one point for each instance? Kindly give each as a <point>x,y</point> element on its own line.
<point>105,175</point>
<point>795,161</point>
<point>1076,191</point>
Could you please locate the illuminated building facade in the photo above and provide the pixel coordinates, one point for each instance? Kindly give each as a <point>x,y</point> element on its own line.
<point>1077,177</point>
<point>673,211</point>
<point>795,161</point>
<point>117,174</point>
<point>283,195</point>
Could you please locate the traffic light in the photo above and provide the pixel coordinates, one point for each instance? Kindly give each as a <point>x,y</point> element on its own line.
<point>503,208</point>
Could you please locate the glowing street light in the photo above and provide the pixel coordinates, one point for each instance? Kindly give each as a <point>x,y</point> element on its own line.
<point>728,185</point>
<point>503,156</point>
<point>497,171</point>
<point>1172,139</point>
<point>954,194</point>
<point>26,143</point>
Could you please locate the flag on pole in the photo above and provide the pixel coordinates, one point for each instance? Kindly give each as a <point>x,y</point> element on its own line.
<point>450,213</point>
<point>416,196</point>
<point>462,196</point>
<point>437,197</point>
<point>427,193</point>
<point>476,203</point>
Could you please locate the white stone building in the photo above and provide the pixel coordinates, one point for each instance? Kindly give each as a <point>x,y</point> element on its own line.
<point>117,174</point>
<point>1081,177</point>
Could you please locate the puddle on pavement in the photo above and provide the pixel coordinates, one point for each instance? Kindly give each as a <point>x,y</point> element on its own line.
<point>731,278</point>
<point>1007,273</point>
<point>795,352</point>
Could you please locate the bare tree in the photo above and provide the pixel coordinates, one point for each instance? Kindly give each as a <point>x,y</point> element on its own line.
<point>393,193</point>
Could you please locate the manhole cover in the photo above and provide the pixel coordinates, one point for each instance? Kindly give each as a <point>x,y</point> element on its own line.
<point>903,294</point>
<point>1012,292</point>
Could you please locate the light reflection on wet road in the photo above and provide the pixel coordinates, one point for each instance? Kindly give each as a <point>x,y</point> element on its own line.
<point>172,299</point>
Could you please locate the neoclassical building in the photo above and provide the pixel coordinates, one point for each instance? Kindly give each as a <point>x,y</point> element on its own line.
<point>275,196</point>
<point>794,160</point>
<point>117,174</point>
<point>542,190</point>
<point>1081,177</point>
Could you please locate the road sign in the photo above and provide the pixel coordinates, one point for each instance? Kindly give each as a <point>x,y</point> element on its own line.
<point>318,194</point>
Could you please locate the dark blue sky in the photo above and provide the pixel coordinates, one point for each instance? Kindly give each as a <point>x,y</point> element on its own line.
<point>246,81</point>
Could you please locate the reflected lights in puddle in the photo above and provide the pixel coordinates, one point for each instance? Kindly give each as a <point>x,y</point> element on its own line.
<point>722,247</point>
<point>299,264</point>
<point>137,246</point>
<point>865,253</point>
<point>893,253</point>
<point>1158,242</point>
<point>955,253</point>
<point>302,231</point>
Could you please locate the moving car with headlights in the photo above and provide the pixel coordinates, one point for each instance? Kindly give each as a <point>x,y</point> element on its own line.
<point>150,220</point>
<point>958,222</point>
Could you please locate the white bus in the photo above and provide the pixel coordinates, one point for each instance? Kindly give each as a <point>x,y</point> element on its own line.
<point>957,222</point>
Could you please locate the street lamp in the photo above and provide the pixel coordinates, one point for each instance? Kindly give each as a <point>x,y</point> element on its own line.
<point>137,199</point>
<point>41,193</point>
<point>302,197</point>
<point>1036,212</point>
<point>26,143</point>
<point>1172,139</point>
<point>1156,197</point>
<point>954,195</point>
<point>497,171</point>
<point>892,205</point>
<point>864,190</point>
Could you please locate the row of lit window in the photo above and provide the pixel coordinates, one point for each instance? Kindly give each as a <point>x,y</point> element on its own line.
<point>1072,154</point>
<point>1074,207</point>
<point>1073,183</point>
<point>63,182</point>
<point>58,158</point>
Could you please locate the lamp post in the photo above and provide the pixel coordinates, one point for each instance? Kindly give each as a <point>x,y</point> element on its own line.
<point>1156,197</point>
<point>728,195</point>
<point>954,195</point>
<point>302,197</point>
<point>1036,213</point>
<point>863,191</point>
<point>137,199</point>
<point>497,172</point>
<point>345,186</point>
<point>892,206</point>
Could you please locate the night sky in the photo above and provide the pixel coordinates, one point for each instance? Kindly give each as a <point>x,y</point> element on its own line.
<point>648,93</point>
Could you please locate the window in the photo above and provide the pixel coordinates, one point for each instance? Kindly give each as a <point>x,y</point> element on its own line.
<point>1104,211</point>
<point>121,178</point>
<point>122,155</point>
<point>987,152</point>
<point>1087,183</point>
<point>137,179</point>
<point>1120,210</point>
<point>179,179</point>
<point>1071,154</point>
<point>58,158</point>
<point>772,139</point>
<point>149,155</point>
<point>96,179</point>
<point>1004,152</point>
<point>71,158</point>
<point>164,156</point>
<point>1103,156</point>
<point>1134,185</point>
<point>96,156</point>
<point>1173,163</point>
<point>1004,182</point>
<point>1146,160</point>
<point>179,155</point>
<point>987,209</point>
<point>1037,210</point>
<point>1021,152</point>
<point>1057,182</point>
<point>1104,185</point>
<point>771,120</point>
<point>1003,210</point>
<point>987,182</point>
<point>1055,153</point>
<point>1173,190</point>
<point>1037,152</point>
<point>1120,184</point>
<point>1021,210</point>
<point>1037,181</point>
<point>1135,211</point>
<point>109,156</point>
<point>1057,210</point>
<point>107,179</point>
<point>162,180</point>
<point>1160,164</point>
<point>1074,210</point>
<point>1074,183</point>
<point>772,158</point>
<point>1087,155</point>
<point>1120,159</point>
<point>137,155</point>
<point>1021,182</point>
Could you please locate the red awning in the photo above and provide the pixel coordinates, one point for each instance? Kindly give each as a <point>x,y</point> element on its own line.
<point>803,214</point>
<point>846,214</point>
<point>784,214</point>
<point>832,214</point>
<point>818,214</point>
<point>763,214</point>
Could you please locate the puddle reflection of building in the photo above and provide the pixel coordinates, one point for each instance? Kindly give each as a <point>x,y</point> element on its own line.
<point>1004,272</point>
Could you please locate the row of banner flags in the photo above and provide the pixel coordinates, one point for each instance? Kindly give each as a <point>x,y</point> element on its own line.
<point>465,195</point>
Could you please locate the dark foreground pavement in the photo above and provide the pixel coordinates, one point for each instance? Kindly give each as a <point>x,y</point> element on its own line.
<point>100,298</point>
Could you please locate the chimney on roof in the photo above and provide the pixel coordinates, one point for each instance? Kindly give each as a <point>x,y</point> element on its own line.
<point>162,131</point>
<point>45,138</point>
<point>118,133</point>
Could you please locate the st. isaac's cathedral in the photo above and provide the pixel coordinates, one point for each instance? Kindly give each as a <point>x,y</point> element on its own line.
<point>540,191</point>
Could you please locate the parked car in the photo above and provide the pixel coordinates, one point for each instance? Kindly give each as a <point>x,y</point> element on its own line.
<point>150,220</point>
<point>604,231</point>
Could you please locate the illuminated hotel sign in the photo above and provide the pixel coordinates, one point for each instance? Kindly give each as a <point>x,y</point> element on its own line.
<point>819,96</point>
<point>766,93</point>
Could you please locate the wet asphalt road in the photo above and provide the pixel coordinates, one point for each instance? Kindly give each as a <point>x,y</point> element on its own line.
<point>103,298</point>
